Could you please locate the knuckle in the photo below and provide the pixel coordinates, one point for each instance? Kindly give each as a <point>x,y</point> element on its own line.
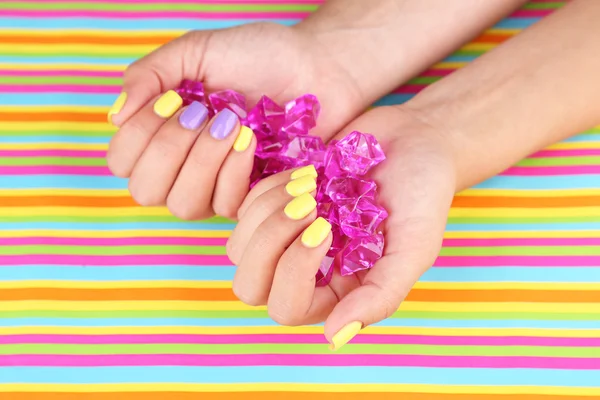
<point>249,297</point>
<point>282,314</point>
<point>232,252</point>
<point>185,210</point>
<point>142,195</point>
<point>226,210</point>
<point>116,166</point>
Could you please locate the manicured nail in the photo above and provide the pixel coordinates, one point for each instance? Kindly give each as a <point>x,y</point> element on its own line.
<point>243,140</point>
<point>168,104</point>
<point>223,124</point>
<point>117,106</point>
<point>193,116</point>
<point>316,233</point>
<point>304,184</point>
<point>308,170</point>
<point>300,206</point>
<point>344,335</point>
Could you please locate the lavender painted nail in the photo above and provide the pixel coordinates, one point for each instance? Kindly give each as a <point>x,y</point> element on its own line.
<point>193,116</point>
<point>223,124</point>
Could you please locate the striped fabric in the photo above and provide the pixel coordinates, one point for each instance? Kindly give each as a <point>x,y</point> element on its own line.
<point>99,296</point>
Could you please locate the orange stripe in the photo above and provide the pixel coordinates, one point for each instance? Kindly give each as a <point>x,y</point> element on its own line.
<point>525,202</point>
<point>53,116</point>
<point>66,201</point>
<point>424,295</point>
<point>282,395</point>
<point>492,38</point>
<point>89,39</point>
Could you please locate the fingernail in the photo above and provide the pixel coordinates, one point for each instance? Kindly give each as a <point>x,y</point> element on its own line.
<point>300,206</point>
<point>304,184</point>
<point>168,104</point>
<point>193,116</point>
<point>223,124</point>
<point>344,335</point>
<point>316,233</point>
<point>308,170</point>
<point>243,140</point>
<point>117,106</point>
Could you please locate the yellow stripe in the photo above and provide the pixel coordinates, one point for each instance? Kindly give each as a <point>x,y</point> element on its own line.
<point>87,32</point>
<point>116,234</point>
<point>63,66</point>
<point>238,306</point>
<point>64,192</point>
<point>56,109</point>
<point>575,145</point>
<point>520,234</point>
<point>295,387</point>
<point>529,193</point>
<point>503,31</point>
<point>55,146</point>
<point>87,48</point>
<point>64,126</point>
<point>113,284</point>
<point>479,46</point>
<point>449,65</point>
<point>193,330</point>
<point>510,212</point>
<point>504,286</point>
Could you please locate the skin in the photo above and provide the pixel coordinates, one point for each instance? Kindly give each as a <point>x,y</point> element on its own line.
<point>330,54</point>
<point>463,129</point>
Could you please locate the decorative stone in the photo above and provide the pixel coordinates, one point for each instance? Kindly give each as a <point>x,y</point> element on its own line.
<point>310,148</point>
<point>325,271</point>
<point>231,99</point>
<point>191,91</point>
<point>359,152</point>
<point>362,218</point>
<point>361,254</point>
<point>347,189</point>
<point>301,115</point>
<point>266,118</point>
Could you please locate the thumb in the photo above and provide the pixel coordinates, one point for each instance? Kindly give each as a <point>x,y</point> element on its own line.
<point>157,72</point>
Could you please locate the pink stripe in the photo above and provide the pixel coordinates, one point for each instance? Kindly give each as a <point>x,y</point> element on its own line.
<point>551,171</point>
<point>53,153</point>
<point>116,261</point>
<point>188,1</point>
<point>521,261</point>
<point>522,242</point>
<point>129,241</point>
<point>152,14</point>
<point>438,72</point>
<point>60,88</point>
<point>231,360</point>
<point>104,74</point>
<point>566,153</point>
<point>55,170</point>
<point>531,13</point>
<point>302,339</point>
<point>409,89</point>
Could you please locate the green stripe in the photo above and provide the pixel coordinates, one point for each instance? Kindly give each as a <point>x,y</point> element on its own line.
<point>424,80</point>
<point>107,219</point>
<point>11,5</point>
<point>59,132</point>
<point>522,251</point>
<point>76,161</point>
<point>295,348</point>
<point>543,6</point>
<point>523,220</point>
<point>111,250</point>
<point>24,52</point>
<point>225,314</point>
<point>557,161</point>
<point>56,80</point>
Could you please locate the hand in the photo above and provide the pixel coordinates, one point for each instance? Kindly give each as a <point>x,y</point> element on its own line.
<point>189,170</point>
<point>416,186</point>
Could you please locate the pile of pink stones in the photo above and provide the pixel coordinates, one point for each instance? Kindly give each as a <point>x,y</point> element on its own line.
<point>345,197</point>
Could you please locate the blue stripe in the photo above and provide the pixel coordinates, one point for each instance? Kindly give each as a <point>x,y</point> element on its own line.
<point>129,24</point>
<point>78,59</point>
<point>392,99</point>
<point>511,274</point>
<point>516,23</point>
<point>113,226</point>
<point>62,182</point>
<point>538,226</point>
<point>55,139</point>
<point>542,182</point>
<point>270,374</point>
<point>589,137</point>
<point>266,322</point>
<point>125,273</point>
<point>51,99</point>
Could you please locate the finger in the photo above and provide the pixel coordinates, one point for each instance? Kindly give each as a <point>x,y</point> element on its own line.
<point>272,181</point>
<point>156,170</point>
<point>254,275</point>
<point>233,181</point>
<point>159,71</point>
<point>265,205</point>
<point>128,144</point>
<point>191,194</point>
<point>294,299</point>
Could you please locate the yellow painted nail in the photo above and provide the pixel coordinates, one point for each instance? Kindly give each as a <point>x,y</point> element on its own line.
<point>243,140</point>
<point>300,206</point>
<point>344,335</point>
<point>308,170</point>
<point>168,104</point>
<point>304,184</point>
<point>117,106</point>
<point>316,233</point>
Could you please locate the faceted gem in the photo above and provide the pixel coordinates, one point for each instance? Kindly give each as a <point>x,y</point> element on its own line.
<point>308,148</point>
<point>362,218</point>
<point>343,190</point>
<point>338,242</point>
<point>268,148</point>
<point>332,162</point>
<point>361,254</point>
<point>266,118</point>
<point>359,152</point>
<point>191,91</point>
<point>231,99</point>
<point>325,271</point>
<point>301,115</point>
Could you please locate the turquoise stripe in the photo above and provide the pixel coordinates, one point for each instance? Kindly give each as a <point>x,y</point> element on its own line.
<point>589,137</point>
<point>516,23</point>
<point>512,274</point>
<point>264,322</point>
<point>125,273</point>
<point>542,182</point>
<point>51,99</point>
<point>392,99</point>
<point>55,139</point>
<point>62,182</point>
<point>547,225</point>
<point>56,58</point>
<point>269,374</point>
<point>113,226</point>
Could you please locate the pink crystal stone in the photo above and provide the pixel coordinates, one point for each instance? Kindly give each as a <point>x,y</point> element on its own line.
<point>191,91</point>
<point>266,118</point>
<point>359,152</point>
<point>325,271</point>
<point>338,243</point>
<point>331,162</point>
<point>343,190</point>
<point>309,148</point>
<point>301,115</point>
<point>361,254</point>
<point>362,218</point>
<point>231,99</point>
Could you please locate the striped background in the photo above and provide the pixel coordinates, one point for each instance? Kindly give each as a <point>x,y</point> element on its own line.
<point>101,297</point>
